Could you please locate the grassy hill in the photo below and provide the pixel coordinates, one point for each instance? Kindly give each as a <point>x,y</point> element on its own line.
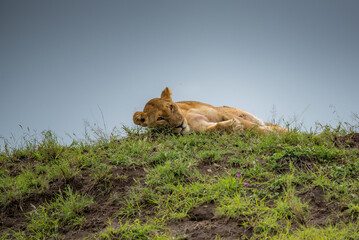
<point>198,186</point>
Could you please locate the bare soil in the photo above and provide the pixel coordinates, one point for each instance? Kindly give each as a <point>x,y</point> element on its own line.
<point>348,141</point>
<point>322,212</point>
<point>13,215</point>
<point>204,224</point>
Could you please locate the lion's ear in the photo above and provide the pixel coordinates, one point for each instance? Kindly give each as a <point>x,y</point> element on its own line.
<point>166,94</point>
<point>139,118</point>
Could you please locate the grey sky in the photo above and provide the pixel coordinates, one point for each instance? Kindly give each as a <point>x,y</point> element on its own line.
<point>60,61</point>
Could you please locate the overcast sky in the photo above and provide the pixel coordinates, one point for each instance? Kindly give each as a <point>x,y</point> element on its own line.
<point>63,62</point>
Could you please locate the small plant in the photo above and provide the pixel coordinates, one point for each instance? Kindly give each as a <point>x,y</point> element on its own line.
<point>291,207</point>
<point>353,211</point>
<point>135,231</point>
<point>172,172</point>
<point>64,211</point>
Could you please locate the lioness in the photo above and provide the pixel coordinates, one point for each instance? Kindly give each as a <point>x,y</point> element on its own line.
<point>185,116</point>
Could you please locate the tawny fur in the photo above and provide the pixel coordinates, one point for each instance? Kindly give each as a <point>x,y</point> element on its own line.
<point>187,116</point>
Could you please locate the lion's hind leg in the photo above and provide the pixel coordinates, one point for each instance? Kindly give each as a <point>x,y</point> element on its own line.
<point>231,125</point>
<point>240,125</point>
<point>276,128</point>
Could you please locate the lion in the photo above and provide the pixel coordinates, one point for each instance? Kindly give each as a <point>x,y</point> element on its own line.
<point>186,116</point>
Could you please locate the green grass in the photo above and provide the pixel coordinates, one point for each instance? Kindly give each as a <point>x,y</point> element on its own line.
<point>63,212</point>
<point>135,231</point>
<point>149,185</point>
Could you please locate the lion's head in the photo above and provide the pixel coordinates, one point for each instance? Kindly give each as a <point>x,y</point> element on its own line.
<point>162,112</point>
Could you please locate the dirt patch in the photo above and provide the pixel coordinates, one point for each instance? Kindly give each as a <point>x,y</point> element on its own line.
<point>347,141</point>
<point>203,224</point>
<point>211,169</point>
<point>16,165</point>
<point>12,216</point>
<point>321,212</point>
<point>303,163</point>
<point>106,196</point>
